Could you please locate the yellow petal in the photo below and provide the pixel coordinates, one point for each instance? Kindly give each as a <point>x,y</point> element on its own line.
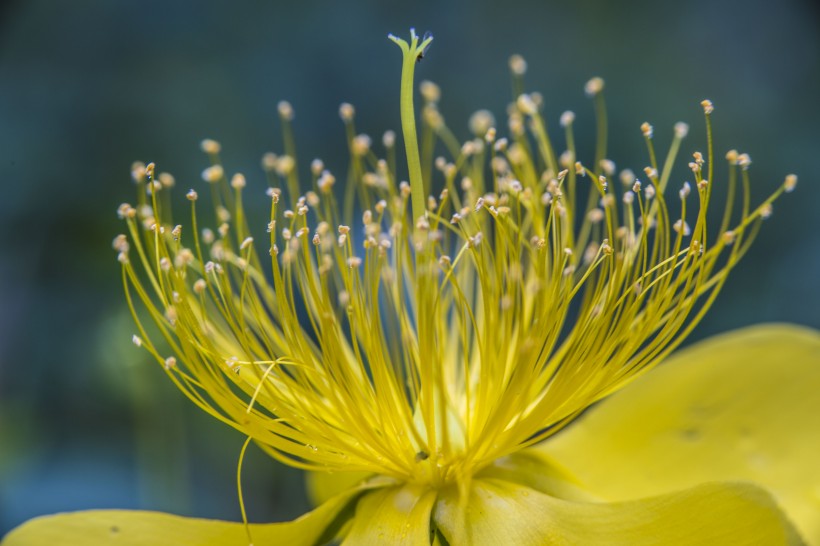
<point>322,486</point>
<point>742,406</point>
<point>396,515</point>
<point>536,471</point>
<point>135,528</point>
<point>500,512</point>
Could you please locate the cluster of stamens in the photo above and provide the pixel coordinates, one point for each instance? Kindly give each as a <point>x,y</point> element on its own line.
<point>425,344</point>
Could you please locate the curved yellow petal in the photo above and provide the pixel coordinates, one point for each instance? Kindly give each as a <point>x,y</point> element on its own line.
<point>138,528</point>
<point>742,406</point>
<point>536,471</point>
<point>500,512</point>
<point>396,516</point>
<point>322,486</point>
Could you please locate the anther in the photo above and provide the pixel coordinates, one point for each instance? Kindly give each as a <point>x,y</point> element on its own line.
<point>269,161</point>
<point>326,182</point>
<point>526,105</point>
<point>566,159</point>
<point>646,129</point>
<point>590,252</point>
<point>120,243</point>
<point>126,211</point>
<point>685,190</point>
<point>213,174</point>
<point>360,145</point>
<point>274,194</point>
<point>389,139</point>
<point>567,118</point>
<point>594,86</point>
<point>595,215</point>
<point>210,146</point>
<point>285,110</point>
<point>183,258</point>
<point>238,181</point>
<point>166,179</point>
<point>344,298</point>
<point>481,123</point>
<point>346,112</point>
<point>708,107</point>
<point>138,171</point>
<point>627,177</point>
<point>790,183</point>
<point>546,198</point>
<point>681,226</point>
<point>518,66</point>
<point>430,92</point>
<point>285,165</point>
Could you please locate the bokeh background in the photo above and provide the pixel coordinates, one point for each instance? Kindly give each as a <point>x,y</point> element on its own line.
<point>87,87</point>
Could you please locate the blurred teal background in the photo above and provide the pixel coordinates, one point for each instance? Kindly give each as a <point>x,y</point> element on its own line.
<point>87,87</point>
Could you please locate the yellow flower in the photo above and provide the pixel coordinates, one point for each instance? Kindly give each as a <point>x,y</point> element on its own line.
<point>421,361</point>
